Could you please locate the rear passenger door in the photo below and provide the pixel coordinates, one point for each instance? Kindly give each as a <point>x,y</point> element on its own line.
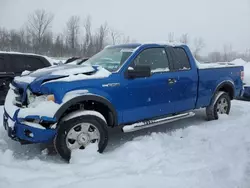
<point>183,82</point>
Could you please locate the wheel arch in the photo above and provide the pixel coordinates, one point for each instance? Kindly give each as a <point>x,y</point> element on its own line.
<point>111,116</point>
<point>226,86</point>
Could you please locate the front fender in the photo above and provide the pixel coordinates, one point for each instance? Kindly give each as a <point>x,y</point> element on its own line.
<point>85,96</point>
<point>82,92</point>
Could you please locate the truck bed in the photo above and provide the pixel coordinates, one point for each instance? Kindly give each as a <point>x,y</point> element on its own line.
<point>210,78</point>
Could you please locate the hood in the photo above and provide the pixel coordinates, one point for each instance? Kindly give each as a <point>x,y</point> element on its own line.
<point>62,73</point>
<point>62,70</point>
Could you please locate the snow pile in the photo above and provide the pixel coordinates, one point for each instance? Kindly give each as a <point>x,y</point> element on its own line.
<point>72,94</point>
<point>236,62</point>
<point>239,62</point>
<point>215,65</point>
<point>88,157</point>
<point>174,43</point>
<point>201,155</point>
<point>74,72</point>
<point>25,73</point>
<point>24,79</point>
<point>160,70</point>
<point>83,112</point>
<point>247,73</point>
<point>42,108</point>
<point>9,107</point>
<point>246,65</point>
<point>54,61</point>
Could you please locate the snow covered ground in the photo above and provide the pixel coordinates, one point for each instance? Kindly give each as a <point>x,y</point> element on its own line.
<point>190,153</point>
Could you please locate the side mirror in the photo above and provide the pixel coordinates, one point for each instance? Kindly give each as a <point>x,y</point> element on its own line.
<point>139,71</point>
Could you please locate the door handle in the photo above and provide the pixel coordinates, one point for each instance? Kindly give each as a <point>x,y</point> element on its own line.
<point>172,81</point>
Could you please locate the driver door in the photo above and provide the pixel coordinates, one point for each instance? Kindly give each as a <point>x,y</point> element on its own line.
<point>146,98</point>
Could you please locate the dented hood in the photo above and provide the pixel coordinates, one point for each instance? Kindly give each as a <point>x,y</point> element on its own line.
<point>64,73</point>
<point>62,70</point>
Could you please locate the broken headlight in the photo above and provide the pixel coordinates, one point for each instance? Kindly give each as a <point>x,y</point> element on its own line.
<point>34,100</point>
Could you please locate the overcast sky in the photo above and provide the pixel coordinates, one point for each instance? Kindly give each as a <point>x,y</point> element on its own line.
<point>217,21</point>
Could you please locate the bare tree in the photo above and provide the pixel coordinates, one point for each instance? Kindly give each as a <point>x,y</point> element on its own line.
<point>47,44</point>
<point>100,38</point>
<point>88,46</point>
<point>214,56</point>
<point>59,48</point>
<point>15,40</point>
<point>28,41</point>
<point>184,38</point>
<point>247,55</point>
<point>38,24</point>
<point>73,26</point>
<point>4,39</point>
<point>171,37</point>
<point>228,52</point>
<point>126,39</point>
<point>37,37</point>
<point>198,45</point>
<point>115,36</point>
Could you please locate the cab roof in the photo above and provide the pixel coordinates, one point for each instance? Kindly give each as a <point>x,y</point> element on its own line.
<point>136,45</point>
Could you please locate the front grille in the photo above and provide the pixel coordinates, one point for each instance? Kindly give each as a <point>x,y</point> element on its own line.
<point>18,96</point>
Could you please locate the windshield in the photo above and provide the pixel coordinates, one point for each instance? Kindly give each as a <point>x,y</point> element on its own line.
<point>110,58</point>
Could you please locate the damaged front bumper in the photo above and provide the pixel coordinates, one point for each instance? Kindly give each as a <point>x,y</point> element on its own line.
<point>32,128</point>
<point>24,133</point>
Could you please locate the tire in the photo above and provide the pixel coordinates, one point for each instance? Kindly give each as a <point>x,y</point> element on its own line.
<point>61,141</point>
<point>213,110</point>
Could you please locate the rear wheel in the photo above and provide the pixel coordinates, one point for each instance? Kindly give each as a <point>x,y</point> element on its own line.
<point>220,104</point>
<point>79,133</point>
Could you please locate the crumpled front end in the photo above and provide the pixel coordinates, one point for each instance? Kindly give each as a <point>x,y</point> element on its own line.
<point>26,122</point>
<point>34,99</point>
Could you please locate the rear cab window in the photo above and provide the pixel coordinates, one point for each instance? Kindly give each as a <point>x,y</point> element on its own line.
<point>179,59</point>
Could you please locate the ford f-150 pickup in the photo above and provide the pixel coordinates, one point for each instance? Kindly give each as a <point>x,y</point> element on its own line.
<point>133,86</point>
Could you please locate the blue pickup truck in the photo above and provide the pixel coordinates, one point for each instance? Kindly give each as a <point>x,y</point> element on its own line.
<point>133,86</point>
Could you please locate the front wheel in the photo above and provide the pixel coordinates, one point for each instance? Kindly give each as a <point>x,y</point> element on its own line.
<point>78,133</point>
<point>220,104</point>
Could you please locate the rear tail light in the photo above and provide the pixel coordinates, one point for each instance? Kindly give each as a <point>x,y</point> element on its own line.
<point>242,75</point>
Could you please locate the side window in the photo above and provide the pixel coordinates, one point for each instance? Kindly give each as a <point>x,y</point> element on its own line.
<point>1,64</point>
<point>156,58</point>
<point>36,63</point>
<point>181,61</point>
<point>22,63</point>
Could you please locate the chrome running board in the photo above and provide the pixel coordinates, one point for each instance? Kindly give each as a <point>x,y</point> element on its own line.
<point>152,123</point>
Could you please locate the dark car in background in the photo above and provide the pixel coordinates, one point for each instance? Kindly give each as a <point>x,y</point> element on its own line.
<point>13,64</point>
